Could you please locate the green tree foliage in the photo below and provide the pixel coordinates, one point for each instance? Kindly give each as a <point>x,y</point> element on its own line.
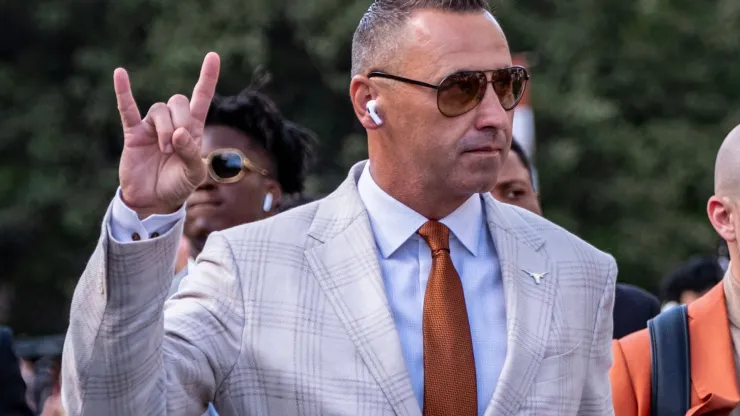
<point>632,99</point>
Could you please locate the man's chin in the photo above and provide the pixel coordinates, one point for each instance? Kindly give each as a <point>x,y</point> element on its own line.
<point>477,181</point>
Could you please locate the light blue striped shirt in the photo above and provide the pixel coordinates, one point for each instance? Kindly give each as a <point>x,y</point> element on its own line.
<point>405,261</point>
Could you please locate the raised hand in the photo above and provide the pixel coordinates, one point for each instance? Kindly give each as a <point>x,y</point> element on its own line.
<point>161,163</point>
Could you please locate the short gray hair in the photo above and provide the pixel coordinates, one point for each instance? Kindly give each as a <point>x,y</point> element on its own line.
<point>374,39</point>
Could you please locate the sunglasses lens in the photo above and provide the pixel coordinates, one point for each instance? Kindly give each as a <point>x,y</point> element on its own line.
<point>509,86</point>
<point>460,93</point>
<point>226,165</point>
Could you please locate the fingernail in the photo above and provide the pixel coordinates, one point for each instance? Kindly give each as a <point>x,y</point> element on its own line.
<point>168,149</point>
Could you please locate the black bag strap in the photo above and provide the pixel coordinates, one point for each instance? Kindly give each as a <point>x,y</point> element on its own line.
<point>670,362</point>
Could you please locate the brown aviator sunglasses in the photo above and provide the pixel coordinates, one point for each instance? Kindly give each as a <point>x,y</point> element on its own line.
<point>462,91</point>
<point>229,165</point>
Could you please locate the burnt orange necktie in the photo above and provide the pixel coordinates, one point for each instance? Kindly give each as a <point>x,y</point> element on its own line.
<point>449,365</point>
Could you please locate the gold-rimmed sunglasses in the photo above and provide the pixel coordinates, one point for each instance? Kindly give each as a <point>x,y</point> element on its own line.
<point>229,165</point>
<point>462,91</point>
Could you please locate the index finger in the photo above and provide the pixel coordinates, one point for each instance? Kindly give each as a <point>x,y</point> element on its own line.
<point>130,115</point>
<point>205,88</point>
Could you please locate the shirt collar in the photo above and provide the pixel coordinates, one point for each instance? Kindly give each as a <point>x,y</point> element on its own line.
<point>393,222</point>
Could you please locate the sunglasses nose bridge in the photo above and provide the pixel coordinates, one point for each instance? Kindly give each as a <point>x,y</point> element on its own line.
<point>485,93</point>
<point>207,165</point>
<point>210,179</point>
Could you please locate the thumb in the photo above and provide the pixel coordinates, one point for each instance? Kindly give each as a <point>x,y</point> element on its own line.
<point>188,149</point>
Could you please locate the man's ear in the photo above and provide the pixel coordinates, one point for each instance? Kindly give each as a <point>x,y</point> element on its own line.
<point>273,187</point>
<point>721,214</point>
<point>361,92</point>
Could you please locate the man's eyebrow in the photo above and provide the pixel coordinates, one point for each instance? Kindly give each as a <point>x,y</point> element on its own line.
<point>512,182</point>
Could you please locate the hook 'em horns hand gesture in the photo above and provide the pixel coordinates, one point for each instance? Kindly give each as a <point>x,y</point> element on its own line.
<point>161,163</point>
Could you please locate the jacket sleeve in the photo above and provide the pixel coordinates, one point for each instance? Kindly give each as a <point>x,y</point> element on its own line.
<point>596,399</point>
<point>129,353</point>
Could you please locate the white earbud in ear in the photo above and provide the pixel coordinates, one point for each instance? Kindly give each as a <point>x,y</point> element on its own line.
<point>267,205</point>
<point>371,110</point>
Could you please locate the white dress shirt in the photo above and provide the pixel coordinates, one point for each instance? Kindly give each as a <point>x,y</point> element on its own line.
<point>405,262</point>
<point>126,227</point>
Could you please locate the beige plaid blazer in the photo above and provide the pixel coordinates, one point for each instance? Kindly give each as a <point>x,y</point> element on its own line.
<point>288,316</point>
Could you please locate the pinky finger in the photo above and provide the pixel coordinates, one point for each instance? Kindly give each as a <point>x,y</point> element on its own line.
<point>127,108</point>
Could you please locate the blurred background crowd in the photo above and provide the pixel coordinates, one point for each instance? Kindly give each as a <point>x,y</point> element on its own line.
<point>628,103</point>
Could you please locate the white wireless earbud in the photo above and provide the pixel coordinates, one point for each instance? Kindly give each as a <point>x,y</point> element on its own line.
<point>267,205</point>
<point>373,115</point>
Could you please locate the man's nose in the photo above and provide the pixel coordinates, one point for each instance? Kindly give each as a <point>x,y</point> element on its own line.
<point>490,114</point>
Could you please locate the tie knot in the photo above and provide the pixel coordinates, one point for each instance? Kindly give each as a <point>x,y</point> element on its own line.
<point>436,234</point>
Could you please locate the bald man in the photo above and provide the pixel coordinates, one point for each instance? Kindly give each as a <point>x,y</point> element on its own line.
<point>713,319</point>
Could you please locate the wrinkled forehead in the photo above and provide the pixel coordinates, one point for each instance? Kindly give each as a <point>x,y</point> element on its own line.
<point>437,43</point>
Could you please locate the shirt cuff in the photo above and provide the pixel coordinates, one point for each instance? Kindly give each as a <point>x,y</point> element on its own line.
<point>126,227</point>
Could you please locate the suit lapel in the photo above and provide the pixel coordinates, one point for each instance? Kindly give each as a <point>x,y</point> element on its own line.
<point>529,304</point>
<point>712,362</point>
<point>346,264</point>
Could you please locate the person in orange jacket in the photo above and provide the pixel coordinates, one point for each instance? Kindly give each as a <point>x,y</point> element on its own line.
<point>713,319</point>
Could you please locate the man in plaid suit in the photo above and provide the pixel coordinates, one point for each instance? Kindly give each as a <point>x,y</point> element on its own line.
<point>407,291</point>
